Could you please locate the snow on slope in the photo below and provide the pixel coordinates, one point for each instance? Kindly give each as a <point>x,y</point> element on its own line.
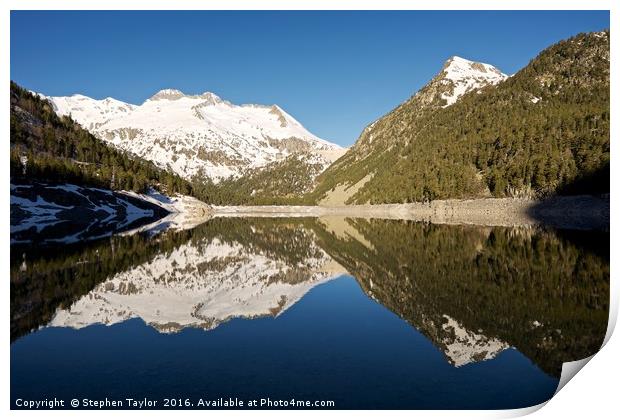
<point>67,213</point>
<point>90,113</point>
<point>199,284</point>
<point>464,76</point>
<point>197,135</point>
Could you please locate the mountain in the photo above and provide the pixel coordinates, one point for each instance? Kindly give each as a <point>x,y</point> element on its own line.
<point>199,137</point>
<point>457,77</point>
<point>474,132</point>
<point>460,76</point>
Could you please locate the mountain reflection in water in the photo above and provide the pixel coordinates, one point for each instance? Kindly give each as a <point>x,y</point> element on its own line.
<point>473,292</point>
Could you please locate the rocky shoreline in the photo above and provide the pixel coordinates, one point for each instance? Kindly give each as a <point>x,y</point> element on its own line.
<point>44,213</point>
<point>582,212</point>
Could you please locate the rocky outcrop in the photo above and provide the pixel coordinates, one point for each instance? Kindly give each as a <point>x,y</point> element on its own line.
<point>69,213</point>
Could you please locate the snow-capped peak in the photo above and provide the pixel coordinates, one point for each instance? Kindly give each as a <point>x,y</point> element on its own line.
<point>170,94</point>
<point>210,98</point>
<point>174,94</point>
<point>465,75</point>
<point>457,68</point>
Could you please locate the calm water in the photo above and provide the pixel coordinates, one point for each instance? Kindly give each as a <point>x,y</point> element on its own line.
<point>365,313</point>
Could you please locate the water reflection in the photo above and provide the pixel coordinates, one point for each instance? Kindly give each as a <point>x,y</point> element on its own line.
<point>205,282</point>
<point>473,292</point>
<point>476,291</point>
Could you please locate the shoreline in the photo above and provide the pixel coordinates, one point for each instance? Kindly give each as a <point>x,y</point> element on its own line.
<point>61,213</point>
<point>583,212</point>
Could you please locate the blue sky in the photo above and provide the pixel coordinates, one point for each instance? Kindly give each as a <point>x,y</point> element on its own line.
<point>333,71</point>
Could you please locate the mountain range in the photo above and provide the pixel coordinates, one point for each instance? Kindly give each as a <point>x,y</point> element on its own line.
<point>471,132</point>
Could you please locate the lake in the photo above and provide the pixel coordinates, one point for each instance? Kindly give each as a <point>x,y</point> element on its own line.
<point>365,313</point>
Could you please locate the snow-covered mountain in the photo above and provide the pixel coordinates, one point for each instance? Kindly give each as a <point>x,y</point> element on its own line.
<point>198,135</point>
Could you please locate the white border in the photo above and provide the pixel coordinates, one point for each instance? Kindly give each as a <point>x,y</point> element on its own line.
<point>592,394</point>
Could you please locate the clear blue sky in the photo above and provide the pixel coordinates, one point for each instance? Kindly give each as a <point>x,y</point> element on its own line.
<point>333,71</point>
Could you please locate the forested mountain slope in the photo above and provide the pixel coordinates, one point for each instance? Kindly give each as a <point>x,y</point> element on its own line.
<point>283,182</point>
<point>541,131</point>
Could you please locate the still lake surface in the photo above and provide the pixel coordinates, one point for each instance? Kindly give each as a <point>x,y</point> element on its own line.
<point>365,313</point>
